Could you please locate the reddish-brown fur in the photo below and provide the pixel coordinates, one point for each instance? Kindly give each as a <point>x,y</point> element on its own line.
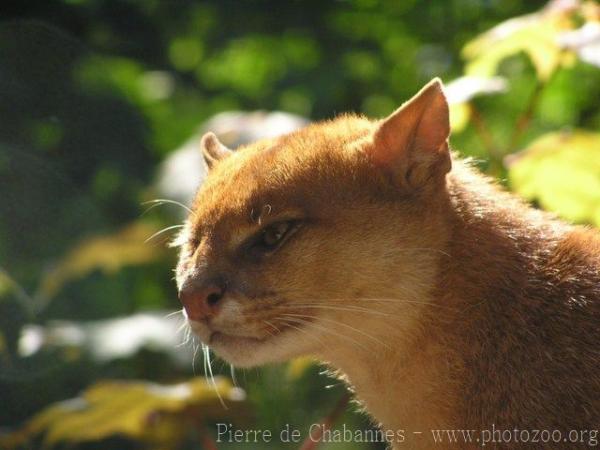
<point>443,301</point>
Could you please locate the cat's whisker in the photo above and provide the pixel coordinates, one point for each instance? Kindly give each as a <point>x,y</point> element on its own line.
<point>208,363</point>
<point>325,330</point>
<point>402,300</point>
<point>185,327</point>
<point>233,377</point>
<point>379,300</point>
<point>435,250</point>
<point>182,344</point>
<point>279,330</point>
<point>284,322</point>
<point>147,210</point>
<point>163,201</point>
<point>195,346</point>
<point>299,329</point>
<point>273,326</point>
<point>182,326</point>
<point>337,322</point>
<point>331,332</point>
<point>164,230</point>
<point>174,313</point>
<point>204,364</point>
<point>325,306</point>
<point>187,335</point>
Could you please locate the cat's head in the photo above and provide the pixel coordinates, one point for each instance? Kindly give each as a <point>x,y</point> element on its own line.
<point>317,238</point>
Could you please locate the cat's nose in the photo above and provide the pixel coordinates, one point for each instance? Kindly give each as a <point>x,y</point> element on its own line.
<point>201,302</point>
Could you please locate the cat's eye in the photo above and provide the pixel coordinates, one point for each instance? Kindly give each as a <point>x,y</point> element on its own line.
<point>272,236</point>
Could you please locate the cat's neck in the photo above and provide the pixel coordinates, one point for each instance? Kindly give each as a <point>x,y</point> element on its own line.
<point>415,383</point>
<point>407,387</point>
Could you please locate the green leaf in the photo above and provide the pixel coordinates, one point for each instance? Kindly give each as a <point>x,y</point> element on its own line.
<point>561,171</point>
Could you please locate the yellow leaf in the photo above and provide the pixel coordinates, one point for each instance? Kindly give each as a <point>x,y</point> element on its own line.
<point>460,113</point>
<point>561,171</point>
<point>534,34</point>
<point>298,366</point>
<point>108,253</point>
<point>143,411</point>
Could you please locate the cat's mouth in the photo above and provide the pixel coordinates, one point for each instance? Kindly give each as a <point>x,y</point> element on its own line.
<point>220,339</point>
<point>247,348</point>
<point>223,340</point>
<point>255,343</point>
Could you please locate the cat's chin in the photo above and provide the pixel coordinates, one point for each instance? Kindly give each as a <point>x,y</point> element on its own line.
<point>244,352</point>
<point>250,352</point>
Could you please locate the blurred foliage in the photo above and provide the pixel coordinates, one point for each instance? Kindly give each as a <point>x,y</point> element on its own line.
<point>561,172</point>
<point>534,34</point>
<point>128,246</point>
<point>157,415</point>
<point>96,93</point>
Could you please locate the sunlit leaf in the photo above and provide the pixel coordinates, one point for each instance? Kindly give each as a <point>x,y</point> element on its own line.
<point>534,34</point>
<point>561,171</point>
<point>465,88</point>
<point>584,41</point>
<point>107,253</point>
<point>460,113</point>
<point>298,366</point>
<point>114,338</point>
<point>185,53</point>
<point>461,90</point>
<point>148,412</point>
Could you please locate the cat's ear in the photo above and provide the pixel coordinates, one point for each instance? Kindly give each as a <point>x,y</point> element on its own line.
<point>412,142</point>
<point>212,149</point>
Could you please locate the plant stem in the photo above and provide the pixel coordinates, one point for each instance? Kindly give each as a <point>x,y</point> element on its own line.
<point>484,133</point>
<point>525,118</point>
<point>19,292</point>
<point>208,443</point>
<point>312,442</point>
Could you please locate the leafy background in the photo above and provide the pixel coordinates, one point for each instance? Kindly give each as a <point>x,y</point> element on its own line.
<point>94,94</point>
